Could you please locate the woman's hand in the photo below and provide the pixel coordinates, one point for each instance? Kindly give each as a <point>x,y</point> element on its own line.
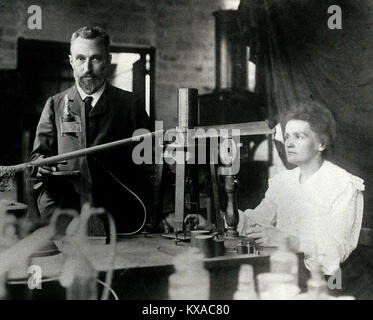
<point>265,235</point>
<point>270,236</point>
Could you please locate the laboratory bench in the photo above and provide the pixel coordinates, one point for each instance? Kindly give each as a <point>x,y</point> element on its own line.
<point>142,267</point>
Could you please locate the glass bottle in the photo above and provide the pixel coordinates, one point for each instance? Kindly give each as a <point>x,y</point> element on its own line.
<point>246,285</point>
<point>191,280</point>
<point>283,260</point>
<point>317,287</point>
<point>78,276</point>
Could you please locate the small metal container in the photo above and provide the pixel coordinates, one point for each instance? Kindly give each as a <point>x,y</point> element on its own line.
<point>242,248</point>
<point>206,245</point>
<point>194,233</point>
<point>219,248</point>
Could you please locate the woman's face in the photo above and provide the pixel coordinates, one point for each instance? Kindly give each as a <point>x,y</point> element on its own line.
<point>301,142</point>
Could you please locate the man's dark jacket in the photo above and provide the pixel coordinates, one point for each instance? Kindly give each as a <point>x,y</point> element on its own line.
<point>115,116</point>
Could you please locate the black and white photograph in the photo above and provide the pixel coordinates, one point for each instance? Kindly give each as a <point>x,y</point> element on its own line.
<point>183,154</point>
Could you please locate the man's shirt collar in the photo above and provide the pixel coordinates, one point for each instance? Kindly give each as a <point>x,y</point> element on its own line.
<point>96,96</point>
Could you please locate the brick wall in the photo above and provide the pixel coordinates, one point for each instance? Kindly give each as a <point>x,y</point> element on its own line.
<point>182,31</point>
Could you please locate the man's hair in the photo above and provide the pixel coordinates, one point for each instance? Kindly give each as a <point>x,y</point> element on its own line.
<point>92,33</point>
<point>319,118</point>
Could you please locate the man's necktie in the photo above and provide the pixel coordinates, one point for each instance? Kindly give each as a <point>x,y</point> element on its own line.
<point>88,104</point>
<point>88,108</point>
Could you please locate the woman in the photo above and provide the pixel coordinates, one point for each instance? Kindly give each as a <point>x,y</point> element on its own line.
<point>317,205</point>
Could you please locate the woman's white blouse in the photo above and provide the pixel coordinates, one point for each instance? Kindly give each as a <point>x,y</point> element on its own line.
<point>325,213</point>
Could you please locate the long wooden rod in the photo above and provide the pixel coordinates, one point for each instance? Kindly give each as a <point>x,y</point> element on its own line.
<point>81,152</point>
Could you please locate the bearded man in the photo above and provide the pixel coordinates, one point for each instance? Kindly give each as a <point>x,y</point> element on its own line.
<point>101,113</point>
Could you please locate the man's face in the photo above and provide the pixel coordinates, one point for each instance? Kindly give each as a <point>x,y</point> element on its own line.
<point>90,62</point>
<point>301,142</point>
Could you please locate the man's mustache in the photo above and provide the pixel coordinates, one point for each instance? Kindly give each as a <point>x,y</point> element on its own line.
<point>88,75</point>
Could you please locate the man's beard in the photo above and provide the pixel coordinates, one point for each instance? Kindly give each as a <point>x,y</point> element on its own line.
<point>91,85</point>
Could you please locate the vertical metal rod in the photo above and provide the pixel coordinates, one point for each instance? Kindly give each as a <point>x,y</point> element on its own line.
<point>188,115</point>
<point>188,107</point>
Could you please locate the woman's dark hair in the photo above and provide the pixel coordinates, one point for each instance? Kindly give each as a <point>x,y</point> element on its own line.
<point>319,118</point>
